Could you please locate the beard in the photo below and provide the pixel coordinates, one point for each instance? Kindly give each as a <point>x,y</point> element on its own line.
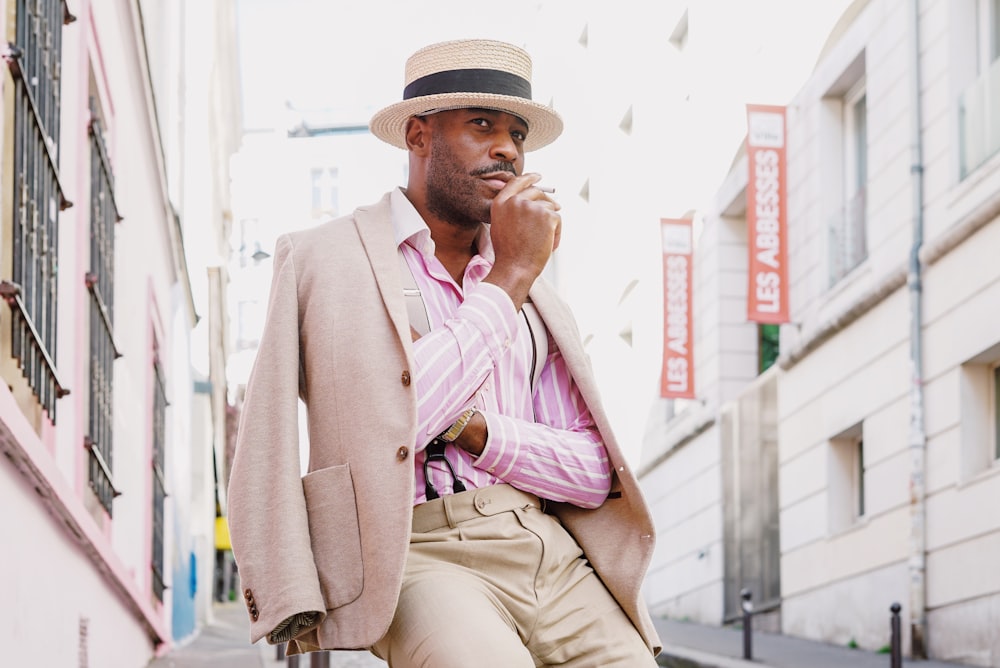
<point>455,195</point>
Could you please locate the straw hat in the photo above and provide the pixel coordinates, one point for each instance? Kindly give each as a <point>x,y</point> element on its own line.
<point>468,73</point>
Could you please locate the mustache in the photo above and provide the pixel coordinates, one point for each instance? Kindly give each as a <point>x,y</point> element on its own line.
<point>499,166</point>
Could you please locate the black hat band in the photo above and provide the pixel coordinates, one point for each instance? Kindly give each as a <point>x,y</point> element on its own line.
<point>496,82</point>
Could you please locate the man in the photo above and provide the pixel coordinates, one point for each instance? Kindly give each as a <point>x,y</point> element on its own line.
<point>466,503</point>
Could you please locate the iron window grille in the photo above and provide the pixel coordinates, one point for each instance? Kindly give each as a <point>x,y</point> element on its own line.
<point>103,348</point>
<point>34,63</point>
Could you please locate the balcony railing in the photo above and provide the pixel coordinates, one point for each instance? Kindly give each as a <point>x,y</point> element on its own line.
<point>979,120</point>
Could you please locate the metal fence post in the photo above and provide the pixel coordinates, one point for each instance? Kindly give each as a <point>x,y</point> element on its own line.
<point>747,606</point>
<point>895,641</point>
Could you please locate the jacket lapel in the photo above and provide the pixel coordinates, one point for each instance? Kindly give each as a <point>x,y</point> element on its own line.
<point>374,225</point>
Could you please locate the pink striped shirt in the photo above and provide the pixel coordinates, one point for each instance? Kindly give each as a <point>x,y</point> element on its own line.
<point>478,353</point>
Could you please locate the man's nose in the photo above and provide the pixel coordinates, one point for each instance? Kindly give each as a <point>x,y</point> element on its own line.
<point>503,147</point>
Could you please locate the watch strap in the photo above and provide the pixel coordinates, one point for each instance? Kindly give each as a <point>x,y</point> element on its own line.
<point>456,429</point>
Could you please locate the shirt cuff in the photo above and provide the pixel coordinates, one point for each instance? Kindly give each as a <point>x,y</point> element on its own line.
<point>503,445</point>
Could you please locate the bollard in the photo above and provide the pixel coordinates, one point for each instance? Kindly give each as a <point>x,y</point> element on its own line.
<point>895,640</point>
<point>280,651</point>
<point>747,606</point>
<point>319,660</point>
<point>293,661</point>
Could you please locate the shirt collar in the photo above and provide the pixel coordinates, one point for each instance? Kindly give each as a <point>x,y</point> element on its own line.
<point>408,225</point>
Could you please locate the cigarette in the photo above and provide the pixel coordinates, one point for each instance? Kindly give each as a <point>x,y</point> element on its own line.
<point>546,189</point>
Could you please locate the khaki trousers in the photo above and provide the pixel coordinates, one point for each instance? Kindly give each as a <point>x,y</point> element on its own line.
<point>491,581</point>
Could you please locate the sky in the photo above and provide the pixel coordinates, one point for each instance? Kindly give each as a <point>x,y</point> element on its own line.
<point>348,56</point>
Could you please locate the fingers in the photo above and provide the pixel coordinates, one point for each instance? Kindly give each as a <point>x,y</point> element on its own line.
<point>526,186</point>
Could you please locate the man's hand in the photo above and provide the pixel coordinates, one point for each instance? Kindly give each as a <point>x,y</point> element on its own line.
<point>473,437</point>
<point>525,227</point>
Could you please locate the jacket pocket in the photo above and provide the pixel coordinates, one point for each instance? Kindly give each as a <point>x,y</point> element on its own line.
<point>334,532</point>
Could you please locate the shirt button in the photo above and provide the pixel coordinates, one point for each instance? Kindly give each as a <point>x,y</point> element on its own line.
<point>405,378</point>
<point>402,453</point>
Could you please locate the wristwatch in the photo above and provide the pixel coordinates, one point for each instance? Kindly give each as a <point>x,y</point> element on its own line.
<point>454,430</point>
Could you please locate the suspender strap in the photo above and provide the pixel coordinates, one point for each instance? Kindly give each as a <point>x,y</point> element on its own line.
<point>539,341</point>
<point>415,306</point>
<point>435,452</point>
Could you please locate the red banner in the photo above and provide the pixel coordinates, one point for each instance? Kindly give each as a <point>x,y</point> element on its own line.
<point>767,218</point>
<point>677,378</point>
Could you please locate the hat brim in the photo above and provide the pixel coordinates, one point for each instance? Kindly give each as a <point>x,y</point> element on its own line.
<point>544,124</point>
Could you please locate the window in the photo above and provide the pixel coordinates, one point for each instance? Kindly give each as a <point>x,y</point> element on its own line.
<point>979,103</point>
<point>100,283</point>
<point>979,410</point>
<point>159,477</point>
<point>847,478</point>
<point>848,243</point>
<point>996,412</point>
<point>988,39</point>
<point>38,196</point>
<point>859,477</point>
<point>325,191</point>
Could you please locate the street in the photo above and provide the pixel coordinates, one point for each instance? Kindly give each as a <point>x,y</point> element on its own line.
<point>224,643</point>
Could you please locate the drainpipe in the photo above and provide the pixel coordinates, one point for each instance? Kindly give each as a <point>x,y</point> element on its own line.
<point>918,435</point>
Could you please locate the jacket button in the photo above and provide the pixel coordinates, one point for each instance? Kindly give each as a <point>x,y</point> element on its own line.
<point>405,379</point>
<point>248,595</point>
<point>402,453</point>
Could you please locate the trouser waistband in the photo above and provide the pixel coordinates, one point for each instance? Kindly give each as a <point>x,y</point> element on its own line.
<point>453,509</point>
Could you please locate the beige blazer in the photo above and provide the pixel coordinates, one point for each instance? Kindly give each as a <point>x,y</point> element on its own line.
<point>335,541</point>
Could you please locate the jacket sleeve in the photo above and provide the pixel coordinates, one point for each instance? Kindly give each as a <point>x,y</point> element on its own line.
<point>267,509</point>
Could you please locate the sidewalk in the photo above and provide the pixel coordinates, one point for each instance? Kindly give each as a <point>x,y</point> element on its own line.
<point>225,644</point>
<point>688,645</point>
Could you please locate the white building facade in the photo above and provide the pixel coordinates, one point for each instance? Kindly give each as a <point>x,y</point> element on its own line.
<point>862,469</point>
<point>107,478</point>
<point>888,413</point>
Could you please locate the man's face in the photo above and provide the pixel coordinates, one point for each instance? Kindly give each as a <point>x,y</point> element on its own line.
<point>474,152</point>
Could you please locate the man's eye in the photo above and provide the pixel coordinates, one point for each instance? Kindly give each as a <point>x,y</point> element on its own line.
<point>518,135</point>
<point>481,121</point>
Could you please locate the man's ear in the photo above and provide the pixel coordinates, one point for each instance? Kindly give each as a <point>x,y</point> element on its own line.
<point>418,135</point>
